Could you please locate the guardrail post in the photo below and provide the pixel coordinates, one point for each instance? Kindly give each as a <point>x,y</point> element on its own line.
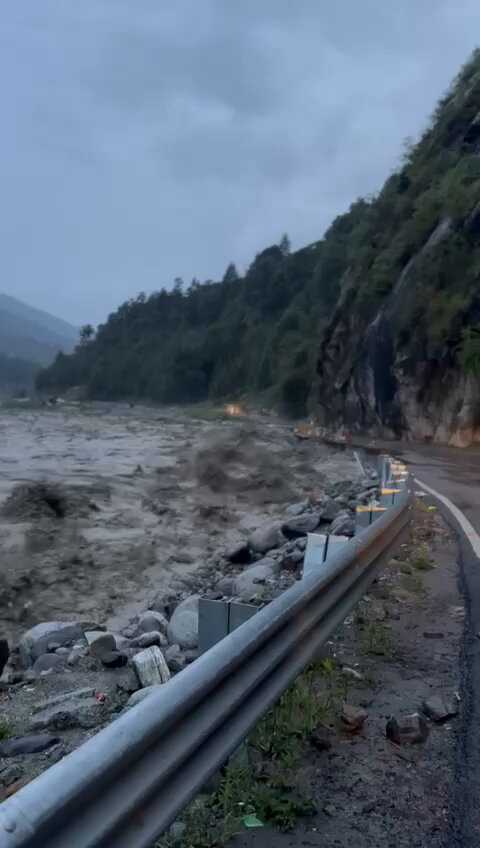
<point>314,552</point>
<point>377,512</point>
<point>239,614</point>
<point>216,619</point>
<point>334,543</point>
<point>363,518</point>
<point>212,623</point>
<point>387,496</point>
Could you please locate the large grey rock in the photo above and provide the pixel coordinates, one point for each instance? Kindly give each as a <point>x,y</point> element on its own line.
<point>150,621</point>
<point>183,626</point>
<point>330,511</point>
<point>31,744</point>
<point>225,586</point>
<point>239,553</point>
<point>47,662</point>
<point>140,696</point>
<point>292,561</point>
<point>100,643</point>
<point>165,601</point>
<point>440,707</point>
<point>146,640</point>
<point>296,509</point>
<point>78,712</point>
<point>251,581</point>
<point>175,658</point>
<point>151,667</point>
<point>300,526</point>
<point>114,659</point>
<point>75,695</point>
<point>343,525</point>
<point>34,642</point>
<point>265,538</point>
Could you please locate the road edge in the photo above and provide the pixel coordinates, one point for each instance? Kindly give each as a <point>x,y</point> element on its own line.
<point>466,817</point>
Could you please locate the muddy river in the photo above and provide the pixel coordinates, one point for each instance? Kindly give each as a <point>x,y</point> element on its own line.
<point>103,506</point>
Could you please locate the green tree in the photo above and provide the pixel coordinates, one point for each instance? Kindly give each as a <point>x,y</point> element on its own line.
<point>231,274</point>
<point>285,245</point>
<point>87,333</point>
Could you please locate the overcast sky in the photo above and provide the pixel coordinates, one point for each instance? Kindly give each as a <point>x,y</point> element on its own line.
<point>143,139</point>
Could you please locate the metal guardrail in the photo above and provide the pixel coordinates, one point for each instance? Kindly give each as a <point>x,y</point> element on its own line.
<point>124,786</point>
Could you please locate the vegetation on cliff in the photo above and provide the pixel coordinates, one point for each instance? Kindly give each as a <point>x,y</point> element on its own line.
<point>261,333</point>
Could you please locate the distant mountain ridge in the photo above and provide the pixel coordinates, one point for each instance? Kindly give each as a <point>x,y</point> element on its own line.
<point>33,334</point>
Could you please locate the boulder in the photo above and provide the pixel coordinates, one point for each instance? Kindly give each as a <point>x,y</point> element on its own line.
<point>150,621</point>
<point>100,643</point>
<point>47,662</point>
<point>330,510</point>
<point>35,642</point>
<point>140,696</point>
<point>352,718</point>
<point>183,626</point>
<point>77,712</point>
<point>265,538</point>
<point>292,561</point>
<point>54,700</point>
<point>239,553</point>
<point>250,581</point>
<point>33,743</point>
<point>151,667</point>
<point>343,525</point>
<point>175,658</point>
<point>407,730</point>
<point>440,707</point>
<point>296,509</point>
<point>126,680</point>
<point>300,526</point>
<point>146,640</point>
<point>114,659</point>
<point>225,586</point>
<point>165,602</point>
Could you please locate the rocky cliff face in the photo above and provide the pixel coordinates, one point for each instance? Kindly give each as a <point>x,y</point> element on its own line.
<point>390,358</point>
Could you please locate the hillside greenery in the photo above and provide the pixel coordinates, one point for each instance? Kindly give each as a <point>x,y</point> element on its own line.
<point>260,334</point>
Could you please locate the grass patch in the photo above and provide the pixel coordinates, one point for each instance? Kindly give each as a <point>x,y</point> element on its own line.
<point>420,559</point>
<point>413,583</point>
<point>378,640</point>
<point>6,728</point>
<point>260,778</point>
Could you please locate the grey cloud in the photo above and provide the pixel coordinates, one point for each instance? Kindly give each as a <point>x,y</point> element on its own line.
<point>144,140</point>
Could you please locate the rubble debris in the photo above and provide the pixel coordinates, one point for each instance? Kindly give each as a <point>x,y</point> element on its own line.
<point>407,730</point>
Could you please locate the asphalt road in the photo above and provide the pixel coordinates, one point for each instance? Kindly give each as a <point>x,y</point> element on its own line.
<point>455,474</point>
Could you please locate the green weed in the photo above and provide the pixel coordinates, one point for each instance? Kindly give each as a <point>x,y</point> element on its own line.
<point>413,583</point>
<point>6,728</point>
<point>378,640</point>
<point>420,559</point>
<point>267,790</point>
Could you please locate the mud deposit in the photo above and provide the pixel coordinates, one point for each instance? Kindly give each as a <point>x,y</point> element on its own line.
<point>103,507</point>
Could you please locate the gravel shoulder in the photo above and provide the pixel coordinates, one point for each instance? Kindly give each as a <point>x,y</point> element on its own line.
<point>405,644</point>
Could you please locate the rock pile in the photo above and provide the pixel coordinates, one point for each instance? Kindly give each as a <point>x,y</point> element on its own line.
<point>66,679</point>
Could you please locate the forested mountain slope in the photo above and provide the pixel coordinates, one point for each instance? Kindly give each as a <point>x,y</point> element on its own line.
<point>376,325</point>
<point>401,353</point>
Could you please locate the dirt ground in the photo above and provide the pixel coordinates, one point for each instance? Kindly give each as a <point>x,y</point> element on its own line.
<point>369,792</point>
<point>103,506</point>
